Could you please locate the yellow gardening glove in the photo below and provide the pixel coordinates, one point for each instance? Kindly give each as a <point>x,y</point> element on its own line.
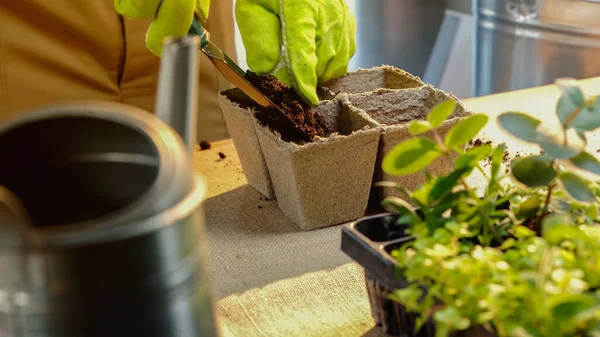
<point>171,17</point>
<point>301,42</point>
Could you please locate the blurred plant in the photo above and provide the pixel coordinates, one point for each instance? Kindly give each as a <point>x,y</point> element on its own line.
<point>523,259</point>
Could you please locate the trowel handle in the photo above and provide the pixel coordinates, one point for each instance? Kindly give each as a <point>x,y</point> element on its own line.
<point>197,29</point>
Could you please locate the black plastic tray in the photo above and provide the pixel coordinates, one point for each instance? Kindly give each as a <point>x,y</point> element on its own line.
<point>369,241</point>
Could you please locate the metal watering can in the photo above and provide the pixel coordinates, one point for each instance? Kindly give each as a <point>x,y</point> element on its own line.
<point>101,226</point>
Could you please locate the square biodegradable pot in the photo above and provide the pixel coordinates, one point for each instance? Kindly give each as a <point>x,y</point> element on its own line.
<point>240,122</point>
<point>327,181</point>
<point>394,110</point>
<point>365,80</point>
<point>369,241</point>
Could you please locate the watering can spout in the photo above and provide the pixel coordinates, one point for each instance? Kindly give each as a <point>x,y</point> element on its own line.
<point>177,95</point>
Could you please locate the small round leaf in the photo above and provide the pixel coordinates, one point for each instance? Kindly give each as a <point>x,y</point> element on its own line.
<point>533,171</point>
<point>571,100</point>
<point>586,161</point>
<point>441,112</point>
<point>560,227</point>
<point>520,125</point>
<point>410,156</point>
<point>417,127</point>
<point>576,187</point>
<point>588,119</point>
<point>465,130</point>
<point>582,136</point>
<point>529,208</point>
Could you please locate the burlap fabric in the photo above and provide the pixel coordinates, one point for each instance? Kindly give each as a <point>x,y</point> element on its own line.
<point>325,303</point>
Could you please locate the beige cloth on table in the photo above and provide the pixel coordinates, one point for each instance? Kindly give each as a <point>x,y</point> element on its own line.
<point>320,304</point>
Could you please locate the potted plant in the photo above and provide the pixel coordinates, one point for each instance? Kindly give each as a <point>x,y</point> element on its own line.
<point>522,259</point>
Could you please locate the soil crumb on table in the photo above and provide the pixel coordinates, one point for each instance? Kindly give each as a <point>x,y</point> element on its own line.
<point>222,155</point>
<point>479,142</point>
<point>292,105</point>
<point>204,145</point>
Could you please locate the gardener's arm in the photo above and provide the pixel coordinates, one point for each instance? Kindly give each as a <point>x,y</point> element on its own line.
<point>304,43</point>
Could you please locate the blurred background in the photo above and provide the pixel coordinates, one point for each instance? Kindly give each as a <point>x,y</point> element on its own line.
<point>477,47</point>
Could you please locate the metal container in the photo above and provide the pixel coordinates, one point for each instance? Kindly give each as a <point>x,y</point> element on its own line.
<point>526,43</point>
<point>397,33</point>
<point>104,219</point>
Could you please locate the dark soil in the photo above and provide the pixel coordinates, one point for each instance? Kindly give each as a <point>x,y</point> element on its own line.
<point>204,145</point>
<point>292,105</point>
<point>478,142</point>
<point>222,155</point>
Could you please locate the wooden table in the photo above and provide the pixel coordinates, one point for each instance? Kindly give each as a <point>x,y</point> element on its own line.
<point>272,279</point>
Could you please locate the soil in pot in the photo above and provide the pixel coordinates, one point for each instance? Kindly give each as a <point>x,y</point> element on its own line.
<point>291,104</point>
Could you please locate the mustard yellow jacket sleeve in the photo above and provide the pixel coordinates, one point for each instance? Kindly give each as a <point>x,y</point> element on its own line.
<point>84,50</point>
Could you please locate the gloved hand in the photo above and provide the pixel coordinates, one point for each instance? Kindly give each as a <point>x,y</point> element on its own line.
<point>171,17</point>
<point>301,42</point>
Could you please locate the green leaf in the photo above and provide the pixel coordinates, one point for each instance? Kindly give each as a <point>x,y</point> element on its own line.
<point>574,94</point>
<point>522,232</point>
<point>497,157</point>
<point>592,211</point>
<point>441,112</point>
<point>523,332</point>
<point>473,155</point>
<point>439,251</point>
<point>566,307</point>
<point>586,161</point>
<point>405,220</point>
<point>560,145</point>
<point>529,208</point>
<point>576,187</point>
<point>533,171</point>
<point>588,119</point>
<point>410,156</point>
<point>557,219</point>
<point>417,127</point>
<point>444,185</point>
<point>582,136</point>
<point>409,297</point>
<point>559,227</point>
<point>571,99</point>
<point>520,125</point>
<point>401,206</point>
<point>592,313</point>
<point>465,130</point>
<point>451,317</point>
<point>507,244</point>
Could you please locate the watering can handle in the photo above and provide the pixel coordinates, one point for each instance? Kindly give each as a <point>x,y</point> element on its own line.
<point>14,220</point>
<point>177,94</point>
<point>14,248</point>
